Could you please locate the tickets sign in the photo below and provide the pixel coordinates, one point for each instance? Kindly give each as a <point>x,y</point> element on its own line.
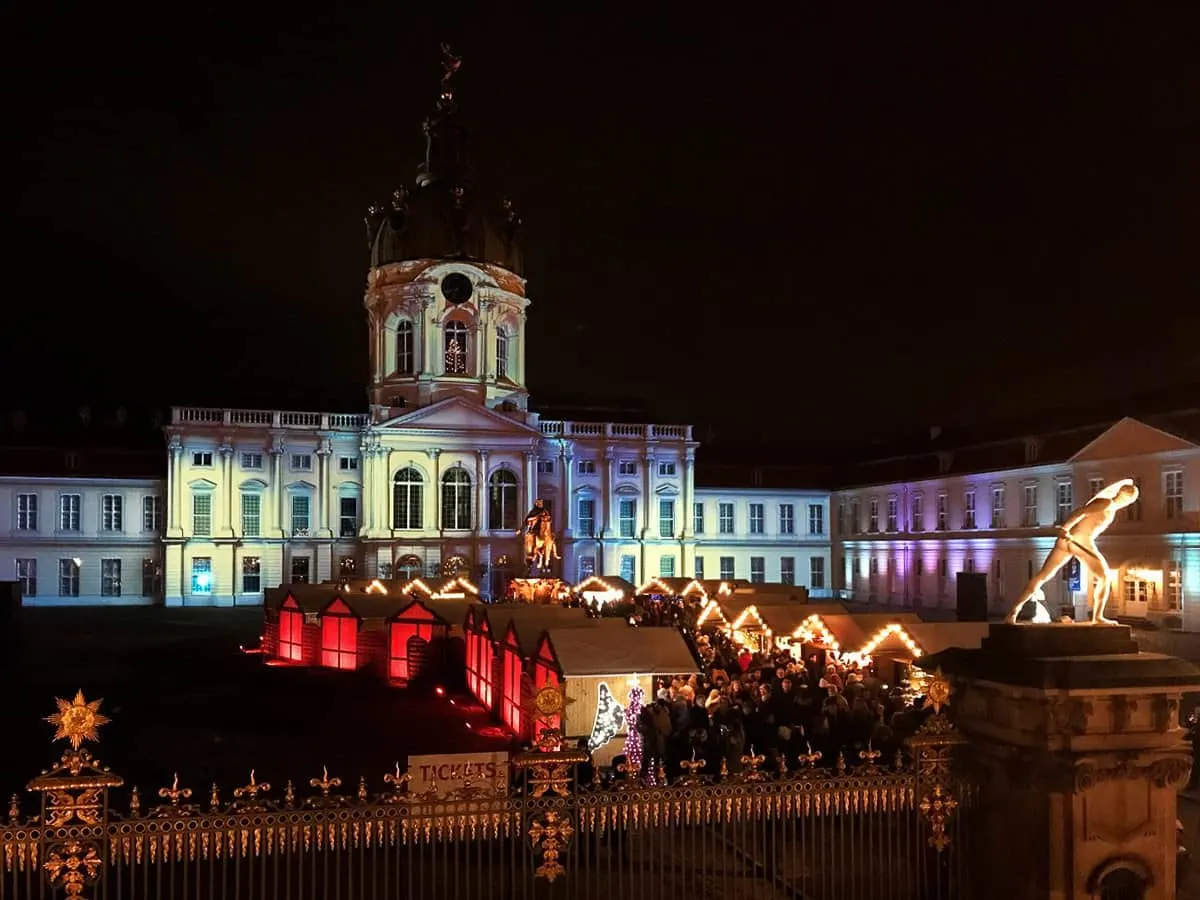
<point>446,773</point>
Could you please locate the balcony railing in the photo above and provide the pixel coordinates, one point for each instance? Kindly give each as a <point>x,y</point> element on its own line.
<point>560,428</point>
<point>267,418</point>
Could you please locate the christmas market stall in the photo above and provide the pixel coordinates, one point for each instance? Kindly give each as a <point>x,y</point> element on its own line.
<point>601,590</point>
<point>673,588</point>
<point>598,677</point>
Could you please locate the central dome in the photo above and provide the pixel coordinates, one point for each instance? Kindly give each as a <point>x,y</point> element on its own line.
<point>445,215</point>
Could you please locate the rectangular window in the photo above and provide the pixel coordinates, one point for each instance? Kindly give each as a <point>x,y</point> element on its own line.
<point>816,573</point>
<point>816,518</point>
<point>725,518</point>
<point>968,565</point>
<point>251,575</point>
<point>152,514</point>
<point>586,518</point>
<point>68,512</point>
<point>587,467</point>
<point>587,567</point>
<point>1064,502</point>
<point>68,578</point>
<point>27,576</point>
<point>1029,516</point>
<point>348,463</point>
<point>300,514</point>
<point>918,513</point>
<point>339,641</point>
<point>969,509</point>
<point>698,518</point>
<point>301,569</point>
<point>942,506</point>
<point>843,519</point>
<point>627,467</point>
<point>855,518</point>
<point>1133,512</point>
<point>873,515</point>
<point>202,580</point>
<point>110,578</point>
<point>787,518</point>
<point>666,566</point>
<point>202,514</point>
<point>666,469</point>
<point>501,354</point>
<point>1174,584</point>
<point>27,512</point>
<point>1095,486</point>
<point>151,578</point>
<point>251,515</point>
<point>291,634</point>
<point>111,509</point>
<point>756,518</point>
<point>893,514</point>
<point>787,570</point>
<point>758,569</point>
<point>347,517</point>
<point>201,458</point>
<point>628,569</point>
<point>252,461</point>
<point>301,462</point>
<point>666,518</point>
<point>627,518</point>
<point>726,565</point>
<point>943,567</point>
<point>545,467</point>
<point>1173,494</point>
<point>998,507</point>
<point>699,569</point>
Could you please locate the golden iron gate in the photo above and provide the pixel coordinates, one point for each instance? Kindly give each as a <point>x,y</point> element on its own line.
<point>854,831</point>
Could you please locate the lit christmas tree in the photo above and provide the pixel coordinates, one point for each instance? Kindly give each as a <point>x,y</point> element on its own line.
<point>633,737</point>
<point>456,358</point>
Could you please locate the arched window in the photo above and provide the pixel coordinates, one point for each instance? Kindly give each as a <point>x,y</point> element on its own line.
<point>409,567</point>
<point>408,490</point>
<point>456,500</point>
<point>456,348</point>
<point>502,501</point>
<point>404,348</point>
<point>501,353</point>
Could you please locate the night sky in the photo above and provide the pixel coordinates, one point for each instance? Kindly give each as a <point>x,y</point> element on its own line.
<point>844,222</point>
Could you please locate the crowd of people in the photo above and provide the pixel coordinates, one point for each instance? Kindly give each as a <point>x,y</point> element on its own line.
<point>774,706</point>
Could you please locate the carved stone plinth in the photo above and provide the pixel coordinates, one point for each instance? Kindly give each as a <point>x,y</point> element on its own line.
<point>1076,746</point>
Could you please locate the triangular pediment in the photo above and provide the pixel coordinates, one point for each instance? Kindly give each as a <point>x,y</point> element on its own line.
<point>1129,437</point>
<point>456,415</point>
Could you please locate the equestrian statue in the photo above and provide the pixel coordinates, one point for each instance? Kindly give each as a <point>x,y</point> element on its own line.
<point>540,546</point>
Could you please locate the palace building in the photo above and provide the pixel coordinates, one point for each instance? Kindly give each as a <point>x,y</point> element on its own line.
<point>927,513</point>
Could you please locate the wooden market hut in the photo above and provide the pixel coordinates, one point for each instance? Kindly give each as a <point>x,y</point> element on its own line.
<point>603,589</point>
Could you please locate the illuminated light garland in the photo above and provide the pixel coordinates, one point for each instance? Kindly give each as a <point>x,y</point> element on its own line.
<point>710,608</point>
<point>418,584</point>
<point>814,631</point>
<point>724,589</point>
<point>694,584</point>
<point>375,587</point>
<point>645,588</point>
<point>610,594</point>
<point>633,737</point>
<point>895,628</point>
<point>610,716</point>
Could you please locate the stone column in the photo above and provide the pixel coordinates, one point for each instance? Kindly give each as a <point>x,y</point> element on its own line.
<point>1075,747</point>
<point>174,479</point>
<point>607,498</point>
<point>225,528</point>
<point>277,493</point>
<point>368,488</point>
<point>324,451</point>
<point>531,476</point>
<point>568,514</point>
<point>647,491</point>
<point>481,523</point>
<point>520,379</point>
<point>435,454</point>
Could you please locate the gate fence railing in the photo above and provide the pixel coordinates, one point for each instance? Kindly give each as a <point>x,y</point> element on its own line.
<point>864,831</point>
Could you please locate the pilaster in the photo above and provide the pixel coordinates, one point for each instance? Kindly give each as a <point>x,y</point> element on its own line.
<point>567,515</point>
<point>278,495</point>
<point>324,451</point>
<point>481,523</point>
<point>607,500</point>
<point>435,505</point>
<point>174,480</point>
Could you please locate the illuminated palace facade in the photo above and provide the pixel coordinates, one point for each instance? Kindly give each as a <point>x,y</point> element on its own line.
<point>437,475</point>
<point>922,518</point>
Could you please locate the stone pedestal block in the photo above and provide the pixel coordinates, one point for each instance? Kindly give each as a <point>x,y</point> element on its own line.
<point>1075,743</point>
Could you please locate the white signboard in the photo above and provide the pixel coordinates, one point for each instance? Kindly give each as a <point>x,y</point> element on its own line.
<point>449,772</point>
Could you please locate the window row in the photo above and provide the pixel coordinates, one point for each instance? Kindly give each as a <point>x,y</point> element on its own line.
<point>756,518</point>
<point>1027,515</point>
<point>252,461</point>
<point>455,349</point>
<point>70,513</point>
<point>665,468</point>
<point>70,573</point>
<point>300,515</point>
<point>726,569</point>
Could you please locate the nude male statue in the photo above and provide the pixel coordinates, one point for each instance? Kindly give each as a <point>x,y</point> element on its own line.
<point>1077,540</point>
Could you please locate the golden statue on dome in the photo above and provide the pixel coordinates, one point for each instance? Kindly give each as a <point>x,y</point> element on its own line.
<point>1077,540</point>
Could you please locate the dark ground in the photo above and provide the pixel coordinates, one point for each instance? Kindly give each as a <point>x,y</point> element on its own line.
<point>183,697</point>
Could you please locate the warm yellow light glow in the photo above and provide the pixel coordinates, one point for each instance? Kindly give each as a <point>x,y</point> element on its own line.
<point>419,585</point>
<point>375,587</point>
<point>1145,574</point>
<point>645,588</point>
<point>814,631</point>
<point>887,631</point>
<point>694,586</point>
<point>712,610</point>
<point>724,589</point>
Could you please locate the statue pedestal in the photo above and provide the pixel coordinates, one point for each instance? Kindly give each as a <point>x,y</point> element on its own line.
<point>1075,743</point>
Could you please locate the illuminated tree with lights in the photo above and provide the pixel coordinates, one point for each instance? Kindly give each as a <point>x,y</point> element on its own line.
<point>633,737</point>
<point>456,357</point>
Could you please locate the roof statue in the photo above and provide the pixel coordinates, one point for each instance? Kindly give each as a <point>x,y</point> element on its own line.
<point>450,65</point>
<point>1077,540</point>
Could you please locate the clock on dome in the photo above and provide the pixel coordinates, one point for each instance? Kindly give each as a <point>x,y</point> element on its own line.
<point>457,288</point>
